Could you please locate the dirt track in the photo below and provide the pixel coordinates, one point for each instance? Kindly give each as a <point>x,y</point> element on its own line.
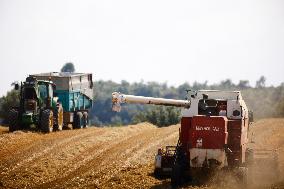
<point>100,157</point>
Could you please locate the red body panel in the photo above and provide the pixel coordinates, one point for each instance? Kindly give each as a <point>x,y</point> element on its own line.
<point>184,133</point>
<point>211,129</point>
<point>235,131</point>
<point>237,141</point>
<point>216,132</point>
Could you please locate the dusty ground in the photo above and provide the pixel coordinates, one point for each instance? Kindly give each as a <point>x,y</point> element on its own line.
<point>3,129</point>
<point>101,157</point>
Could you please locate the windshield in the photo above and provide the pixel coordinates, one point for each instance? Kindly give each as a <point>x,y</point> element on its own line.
<point>42,91</point>
<point>29,93</point>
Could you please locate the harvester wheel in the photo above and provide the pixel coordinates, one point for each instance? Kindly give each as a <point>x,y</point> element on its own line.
<point>46,121</point>
<point>85,119</point>
<point>158,172</point>
<point>178,171</point>
<point>176,178</point>
<point>13,120</point>
<point>58,115</point>
<point>78,121</point>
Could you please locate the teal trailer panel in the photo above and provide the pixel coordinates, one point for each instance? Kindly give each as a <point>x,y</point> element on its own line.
<point>73,100</point>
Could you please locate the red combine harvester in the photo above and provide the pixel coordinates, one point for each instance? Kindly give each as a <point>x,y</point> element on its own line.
<point>213,135</point>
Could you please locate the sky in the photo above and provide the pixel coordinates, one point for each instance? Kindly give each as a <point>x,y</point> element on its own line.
<point>149,40</point>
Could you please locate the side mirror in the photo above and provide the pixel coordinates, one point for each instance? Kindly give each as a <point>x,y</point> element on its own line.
<point>16,87</point>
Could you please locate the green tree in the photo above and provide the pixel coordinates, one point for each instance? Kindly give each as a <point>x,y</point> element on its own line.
<point>7,102</point>
<point>227,84</point>
<point>280,108</point>
<point>68,67</point>
<point>261,82</point>
<point>243,84</point>
<point>159,115</point>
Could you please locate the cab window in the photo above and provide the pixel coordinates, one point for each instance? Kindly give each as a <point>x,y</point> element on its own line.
<point>42,91</point>
<point>29,93</point>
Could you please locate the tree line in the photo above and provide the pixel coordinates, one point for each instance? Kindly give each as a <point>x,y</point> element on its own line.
<point>265,101</point>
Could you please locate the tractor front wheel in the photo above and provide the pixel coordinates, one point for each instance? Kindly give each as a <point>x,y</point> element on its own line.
<point>13,120</point>
<point>46,121</point>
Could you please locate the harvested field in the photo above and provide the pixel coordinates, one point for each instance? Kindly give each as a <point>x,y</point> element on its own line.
<point>3,129</point>
<point>117,157</point>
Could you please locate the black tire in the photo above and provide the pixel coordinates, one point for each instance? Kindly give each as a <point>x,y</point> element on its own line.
<point>78,121</point>
<point>85,119</point>
<point>13,120</point>
<point>176,177</point>
<point>46,121</point>
<point>158,173</point>
<point>58,118</point>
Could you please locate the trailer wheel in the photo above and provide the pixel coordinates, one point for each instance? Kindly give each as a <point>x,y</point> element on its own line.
<point>13,120</point>
<point>46,121</point>
<point>78,121</point>
<point>58,116</point>
<point>85,119</point>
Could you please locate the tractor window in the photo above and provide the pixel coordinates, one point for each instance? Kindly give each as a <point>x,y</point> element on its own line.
<point>29,93</point>
<point>42,91</point>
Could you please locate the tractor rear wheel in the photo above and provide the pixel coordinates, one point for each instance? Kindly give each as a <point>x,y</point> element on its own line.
<point>58,115</point>
<point>46,121</point>
<point>78,121</point>
<point>85,119</point>
<point>13,120</point>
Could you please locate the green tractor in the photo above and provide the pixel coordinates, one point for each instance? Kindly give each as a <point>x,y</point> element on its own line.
<point>38,108</point>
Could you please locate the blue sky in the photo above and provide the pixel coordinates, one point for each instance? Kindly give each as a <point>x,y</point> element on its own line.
<point>150,40</point>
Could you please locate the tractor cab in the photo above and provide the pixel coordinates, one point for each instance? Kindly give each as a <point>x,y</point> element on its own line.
<point>37,93</point>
